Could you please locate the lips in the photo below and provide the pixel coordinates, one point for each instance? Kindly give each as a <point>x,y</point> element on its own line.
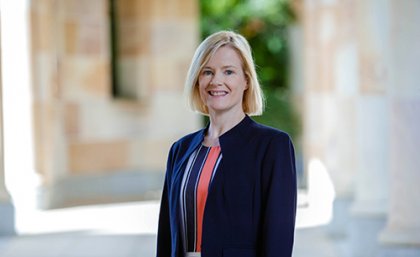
<point>217,93</point>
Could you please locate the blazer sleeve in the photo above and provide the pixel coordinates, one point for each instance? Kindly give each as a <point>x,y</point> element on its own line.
<point>279,198</point>
<point>164,227</point>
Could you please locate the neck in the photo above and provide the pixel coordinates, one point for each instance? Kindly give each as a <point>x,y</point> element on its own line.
<point>221,123</point>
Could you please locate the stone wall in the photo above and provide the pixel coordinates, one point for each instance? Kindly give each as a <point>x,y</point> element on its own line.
<point>82,131</point>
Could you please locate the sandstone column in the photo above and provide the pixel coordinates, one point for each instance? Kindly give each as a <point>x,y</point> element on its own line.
<point>368,211</point>
<point>7,223</point>
<point>6,208</point>
<point>331,82</point>
<point>401,237</point>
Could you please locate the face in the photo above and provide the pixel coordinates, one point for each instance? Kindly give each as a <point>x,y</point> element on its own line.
<point>222,82</point>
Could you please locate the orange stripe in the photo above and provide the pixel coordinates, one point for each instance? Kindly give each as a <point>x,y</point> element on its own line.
<point>202,190</point>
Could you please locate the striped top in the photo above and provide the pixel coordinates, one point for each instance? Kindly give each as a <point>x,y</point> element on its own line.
<point>198,175</point>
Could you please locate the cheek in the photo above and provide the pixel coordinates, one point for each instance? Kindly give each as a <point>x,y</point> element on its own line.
<point>201,88</point>
<point>202,91</point>
<point>201,83</point>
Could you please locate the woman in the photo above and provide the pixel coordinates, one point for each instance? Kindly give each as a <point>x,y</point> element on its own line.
<point>230,188</point>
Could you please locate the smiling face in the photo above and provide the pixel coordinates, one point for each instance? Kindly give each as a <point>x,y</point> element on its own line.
<point>222,82</point>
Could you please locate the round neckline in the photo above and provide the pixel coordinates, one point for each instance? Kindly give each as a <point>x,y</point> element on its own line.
<point>212,146</point>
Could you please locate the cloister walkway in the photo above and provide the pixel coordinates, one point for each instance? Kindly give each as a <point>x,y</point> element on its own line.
<point>129,230</point>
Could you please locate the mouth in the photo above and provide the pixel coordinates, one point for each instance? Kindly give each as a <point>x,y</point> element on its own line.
<point>217,93</point>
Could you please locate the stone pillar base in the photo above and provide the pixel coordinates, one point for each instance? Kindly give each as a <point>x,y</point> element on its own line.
<point>363,234</point>
<point>338,227</point>
<point>7,220</point>
<point>408,237</point>
<point>399,252</point>
<point>400,243</point>
<point>85,190</point>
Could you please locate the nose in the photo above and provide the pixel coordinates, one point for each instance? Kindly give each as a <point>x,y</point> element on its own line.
<point>216,80</point>
<point>213,83</point>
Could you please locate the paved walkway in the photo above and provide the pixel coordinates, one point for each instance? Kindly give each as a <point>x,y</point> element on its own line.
<point>129,230</point>
<point>309,242</point>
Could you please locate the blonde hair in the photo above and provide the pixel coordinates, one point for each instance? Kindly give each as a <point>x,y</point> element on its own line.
<point>253,99</point>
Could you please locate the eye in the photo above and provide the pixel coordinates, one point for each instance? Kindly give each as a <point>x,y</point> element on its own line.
<point>228,72</point>
<point>207,72</point>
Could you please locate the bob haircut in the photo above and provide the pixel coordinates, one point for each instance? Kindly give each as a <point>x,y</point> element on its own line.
<point>253,99</point>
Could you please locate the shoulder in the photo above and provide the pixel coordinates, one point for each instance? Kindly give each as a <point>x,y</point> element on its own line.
<point>277,147</point>
<point>273,135</point>
<point>181,148</point>
<point>185,142</point>
<point>188,139</point>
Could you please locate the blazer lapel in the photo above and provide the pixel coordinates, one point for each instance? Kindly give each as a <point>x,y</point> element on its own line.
<point>176,182</point>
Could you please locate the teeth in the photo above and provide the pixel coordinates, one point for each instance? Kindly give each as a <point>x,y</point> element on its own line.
<point>217,93</point>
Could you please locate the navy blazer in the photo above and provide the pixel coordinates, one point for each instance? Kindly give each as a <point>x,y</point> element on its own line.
<point>251,204</point>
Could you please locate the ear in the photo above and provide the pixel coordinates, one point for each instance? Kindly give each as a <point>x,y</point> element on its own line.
<point>247,81</point>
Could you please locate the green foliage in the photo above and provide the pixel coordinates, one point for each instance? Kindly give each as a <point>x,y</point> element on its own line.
<point>279,112</point>
<point>264,24</point>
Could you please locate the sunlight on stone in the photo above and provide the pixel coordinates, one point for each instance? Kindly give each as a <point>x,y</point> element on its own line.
<point>319,197</point>
<point>21,178</point>
<point>123,218</point>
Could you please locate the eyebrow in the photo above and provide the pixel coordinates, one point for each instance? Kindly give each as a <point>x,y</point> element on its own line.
<point>223,67</point>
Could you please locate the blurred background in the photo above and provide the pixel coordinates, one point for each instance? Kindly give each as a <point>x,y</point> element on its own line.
<point>92,98</point>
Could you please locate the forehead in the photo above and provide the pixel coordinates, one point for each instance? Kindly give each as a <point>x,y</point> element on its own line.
<point>225,56</point>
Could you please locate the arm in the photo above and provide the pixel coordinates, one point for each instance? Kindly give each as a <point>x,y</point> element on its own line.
<point>279,198</point>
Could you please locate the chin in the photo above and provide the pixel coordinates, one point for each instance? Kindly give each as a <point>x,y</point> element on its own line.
<point>217,107</point>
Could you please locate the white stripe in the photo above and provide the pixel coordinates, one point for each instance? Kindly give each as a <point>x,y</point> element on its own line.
<point>216,166</point>
<point>186,177</point>
<point>195,196</point>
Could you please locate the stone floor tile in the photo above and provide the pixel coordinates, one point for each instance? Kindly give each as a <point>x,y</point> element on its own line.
<point>313,242</point>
